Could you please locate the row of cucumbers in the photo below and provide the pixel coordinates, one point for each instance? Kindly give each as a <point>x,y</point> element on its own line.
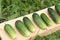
<point>26,27</point>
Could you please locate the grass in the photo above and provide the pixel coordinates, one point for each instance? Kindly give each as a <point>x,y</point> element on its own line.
<point>11,9</point>
<point>53,36</point>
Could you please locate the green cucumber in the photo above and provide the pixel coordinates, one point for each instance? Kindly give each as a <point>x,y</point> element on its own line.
<point>10,31</point>
<point>22,28</point>
<point>54,15</point>
<point>57,7</point>
<point>37,19</point>
<point>29,24</point>
<point>46,19</point>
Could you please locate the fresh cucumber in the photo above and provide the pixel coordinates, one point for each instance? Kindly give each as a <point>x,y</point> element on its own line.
<point>57,7</point>
<point>29,24</point>
<point>10,31</point>
<point>37,19</point>
<point>54,15</point>
<point>46,19</point>
<point>22,28</point>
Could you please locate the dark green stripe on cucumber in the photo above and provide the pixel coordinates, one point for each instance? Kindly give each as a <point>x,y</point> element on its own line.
<point>46,19</point>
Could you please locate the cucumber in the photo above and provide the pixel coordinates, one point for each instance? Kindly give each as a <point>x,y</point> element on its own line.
<point>29,24</point>
<point>57,7</point>
<point>37,19</point>
<point>46,19</point>
<point>10,31</point>
<point>54,15</point>
<point>22,28</point>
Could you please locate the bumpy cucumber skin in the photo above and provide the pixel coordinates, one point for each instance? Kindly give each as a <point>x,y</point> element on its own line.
<point>37,19</point>
<point>29,24</point>
<point>22,28</point>
<point>46,19</point>
<point>54,15</point>
<point>57,7</point>
<point>10,31</point>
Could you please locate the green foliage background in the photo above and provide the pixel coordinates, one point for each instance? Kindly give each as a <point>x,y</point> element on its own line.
<point>53,36</point>
<point>11,9</point>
